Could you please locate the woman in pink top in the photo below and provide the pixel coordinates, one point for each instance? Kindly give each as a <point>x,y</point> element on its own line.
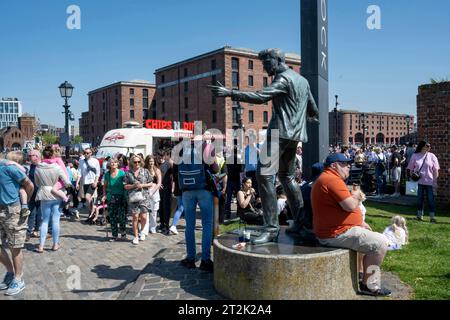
<point>57,188</point>
<point>426,163</point>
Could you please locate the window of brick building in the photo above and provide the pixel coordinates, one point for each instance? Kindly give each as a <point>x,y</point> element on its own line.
<point>131,102</point>
<point>145,92</point>
<point>103,96</point>
<point>131,91</point>
<point>163,78</point>
<point>186,117</point>
<point>214,80</point>
<point>117,114</point>
<point>213,100</point>
<point>163,92</point>
<point>145,103</point>
<point>213,64</point>
<point>186,86</point>
<point>131,114</point>
<point>265,116</point>
<point>116,102</point>
<point>116,91</point>
<point>235,64</point>
<point>251,117</point>
<point>250,81</point>
<point>145,114</point>
<point>186,102</point>
<point>163,107</point>
<point>185,72</point>
<point>250,64</point>
<point>214,116</point>
<point>235,79</point>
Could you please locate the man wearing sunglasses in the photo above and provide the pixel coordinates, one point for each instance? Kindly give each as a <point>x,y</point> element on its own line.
<point>90,173</point>
<point>338,222</point>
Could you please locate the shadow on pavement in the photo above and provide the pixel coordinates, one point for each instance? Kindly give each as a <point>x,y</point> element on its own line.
<point>126,273</point>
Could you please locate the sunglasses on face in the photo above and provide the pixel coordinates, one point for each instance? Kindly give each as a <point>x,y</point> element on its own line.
<point>136,162</point>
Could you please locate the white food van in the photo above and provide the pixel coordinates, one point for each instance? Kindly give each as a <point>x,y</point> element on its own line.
<point>137,140</point>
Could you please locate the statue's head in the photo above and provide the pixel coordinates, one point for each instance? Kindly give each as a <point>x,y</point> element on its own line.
<point>272,60</point>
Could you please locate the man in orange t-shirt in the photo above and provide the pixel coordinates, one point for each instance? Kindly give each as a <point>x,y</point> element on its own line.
<point>338,222</point>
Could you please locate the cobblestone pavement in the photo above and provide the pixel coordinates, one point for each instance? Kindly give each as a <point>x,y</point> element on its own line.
<point>106,269</point>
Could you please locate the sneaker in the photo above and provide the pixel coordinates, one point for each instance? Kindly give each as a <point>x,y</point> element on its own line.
<point>9,277</point>
<point>173,229</point>
<point>142,237</point>
<point>15,287</point>
<point>380,292</point>
<point>188,263</point>
<point>135,241</point>
<point>433,220</point>
<point>76,214</point>
<point>207,266</point>
<point>419,218</point>
<point>153,231</point>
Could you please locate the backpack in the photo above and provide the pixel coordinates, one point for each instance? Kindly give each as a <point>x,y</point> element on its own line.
<point>192,176</point>
<point>381,164</point>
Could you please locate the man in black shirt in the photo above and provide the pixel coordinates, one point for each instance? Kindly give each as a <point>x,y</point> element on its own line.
<point>166,168</point>
<point>234,169</point>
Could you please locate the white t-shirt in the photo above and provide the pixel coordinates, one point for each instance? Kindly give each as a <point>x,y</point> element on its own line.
<point>88,176</point>
<point>395,241</point>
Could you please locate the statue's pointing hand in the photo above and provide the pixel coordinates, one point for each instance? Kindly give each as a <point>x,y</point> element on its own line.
<point>220,90</point>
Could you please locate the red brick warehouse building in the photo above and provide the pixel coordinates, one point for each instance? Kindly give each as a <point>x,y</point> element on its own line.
<point>113,105</point>
<point>347,127</point>
<point>182,92</point>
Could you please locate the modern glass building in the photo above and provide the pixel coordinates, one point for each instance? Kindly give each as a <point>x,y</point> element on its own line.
<point>10,111</point>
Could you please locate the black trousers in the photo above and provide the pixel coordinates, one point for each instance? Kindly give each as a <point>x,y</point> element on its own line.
<point>165,209</point>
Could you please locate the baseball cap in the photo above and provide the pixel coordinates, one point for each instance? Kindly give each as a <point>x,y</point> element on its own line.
<point>336,157</point>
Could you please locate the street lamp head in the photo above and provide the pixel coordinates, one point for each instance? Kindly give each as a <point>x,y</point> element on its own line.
<point>66,90</point>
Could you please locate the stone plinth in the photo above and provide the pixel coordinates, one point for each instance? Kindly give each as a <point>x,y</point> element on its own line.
<point>283,271</point>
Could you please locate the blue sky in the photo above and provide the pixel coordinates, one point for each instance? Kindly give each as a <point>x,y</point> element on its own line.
<point>370,70</point>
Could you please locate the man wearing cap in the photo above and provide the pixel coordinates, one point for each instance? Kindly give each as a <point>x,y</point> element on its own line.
<point>338,222</point>
<point>293,106</point>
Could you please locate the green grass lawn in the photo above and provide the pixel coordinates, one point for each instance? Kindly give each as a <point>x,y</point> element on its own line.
<point>424,263</point>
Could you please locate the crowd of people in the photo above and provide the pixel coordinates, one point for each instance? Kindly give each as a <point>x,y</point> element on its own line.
<point>38,190</point>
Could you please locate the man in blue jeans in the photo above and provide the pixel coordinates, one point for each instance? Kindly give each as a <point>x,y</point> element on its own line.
<point>13,226</point>
<point>197,190</point>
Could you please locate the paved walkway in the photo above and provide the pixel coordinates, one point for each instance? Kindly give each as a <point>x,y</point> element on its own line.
<point>89,267</point>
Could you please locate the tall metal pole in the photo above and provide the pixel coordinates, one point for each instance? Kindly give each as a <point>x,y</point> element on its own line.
<point>66,127</point>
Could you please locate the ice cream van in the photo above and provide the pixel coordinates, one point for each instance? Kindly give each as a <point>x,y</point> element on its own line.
<point>135,139</point>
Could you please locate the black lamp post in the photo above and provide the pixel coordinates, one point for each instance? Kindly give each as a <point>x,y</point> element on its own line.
<point>336,122</point>
<point>362,117</point>
<point>66,90</point>
<point>408,118</point>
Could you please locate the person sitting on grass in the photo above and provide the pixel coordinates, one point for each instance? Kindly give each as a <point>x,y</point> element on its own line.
<point>248,208</point>
<point>396,233</point>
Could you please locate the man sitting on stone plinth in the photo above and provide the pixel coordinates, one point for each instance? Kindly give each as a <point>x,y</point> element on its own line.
<point>338,222</point>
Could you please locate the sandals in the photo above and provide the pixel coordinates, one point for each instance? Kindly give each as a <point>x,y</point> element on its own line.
<point>56,247</point>
<point>39,250</point>
<point>380,292</point>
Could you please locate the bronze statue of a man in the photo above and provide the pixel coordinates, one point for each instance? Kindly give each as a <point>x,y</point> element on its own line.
<point>293,105</point>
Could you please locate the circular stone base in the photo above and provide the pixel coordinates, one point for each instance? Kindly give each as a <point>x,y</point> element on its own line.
<point>283,271</point>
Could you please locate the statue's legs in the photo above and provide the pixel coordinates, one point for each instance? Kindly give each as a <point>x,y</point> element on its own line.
<point>282,160</point>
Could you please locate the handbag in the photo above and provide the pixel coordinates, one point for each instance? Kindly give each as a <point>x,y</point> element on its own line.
<point>136,196</point>
<point>415,175</point>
